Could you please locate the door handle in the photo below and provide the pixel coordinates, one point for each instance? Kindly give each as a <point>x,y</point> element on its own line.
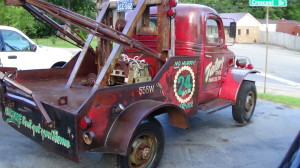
<point>208,56</point>
<point>12,57</point>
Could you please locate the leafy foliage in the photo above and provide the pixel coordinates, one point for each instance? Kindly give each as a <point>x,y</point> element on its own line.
<point>21,19</point>
<point>84,7</point>
<point>291,12</point>
<point>18,17</point>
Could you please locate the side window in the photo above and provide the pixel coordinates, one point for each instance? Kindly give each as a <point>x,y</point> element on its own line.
<point>153,22</point>
<point>14,41</point>
<point>212,31</point>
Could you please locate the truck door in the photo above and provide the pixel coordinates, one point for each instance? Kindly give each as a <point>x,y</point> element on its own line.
<point>214,57</point>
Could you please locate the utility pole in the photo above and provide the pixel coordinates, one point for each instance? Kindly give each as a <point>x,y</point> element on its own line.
<point>267,48</point>
<point>267,3</point>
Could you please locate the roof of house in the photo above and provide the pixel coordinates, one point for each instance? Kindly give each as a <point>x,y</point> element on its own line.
<point>227,17</point>
<point>263,21</point>
<point>235,16</point>
<point>283,21</point>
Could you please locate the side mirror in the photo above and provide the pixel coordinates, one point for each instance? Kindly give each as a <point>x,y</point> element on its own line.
<point>33,47</point>
<point>232,30</point>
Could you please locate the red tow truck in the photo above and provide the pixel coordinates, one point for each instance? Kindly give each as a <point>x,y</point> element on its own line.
<point>153,57</point>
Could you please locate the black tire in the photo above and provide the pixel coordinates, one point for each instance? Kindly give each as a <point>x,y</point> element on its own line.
<point>58,65</point>
<point>145,151</point>
<point>243,109</point>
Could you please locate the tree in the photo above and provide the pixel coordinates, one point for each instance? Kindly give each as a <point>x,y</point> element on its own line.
<point>84,7</point>
<point>291,12</point>
<point>21,19</point>
<point>18,17</point>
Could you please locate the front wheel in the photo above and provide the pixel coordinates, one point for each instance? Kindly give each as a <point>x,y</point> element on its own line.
<point>145,150</point>
<point>243,109</point>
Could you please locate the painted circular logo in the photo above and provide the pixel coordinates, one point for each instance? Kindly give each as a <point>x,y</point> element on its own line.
<point>184,84</point>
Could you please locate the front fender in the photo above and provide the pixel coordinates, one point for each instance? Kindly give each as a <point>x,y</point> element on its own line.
<point>122,130</point>
<point>232,83</point>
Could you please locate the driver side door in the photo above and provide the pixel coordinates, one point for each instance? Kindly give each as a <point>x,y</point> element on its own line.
<point>214,64</point>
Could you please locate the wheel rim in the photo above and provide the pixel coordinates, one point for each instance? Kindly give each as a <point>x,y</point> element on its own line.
<point>249,104</point>
<point>142,150</point>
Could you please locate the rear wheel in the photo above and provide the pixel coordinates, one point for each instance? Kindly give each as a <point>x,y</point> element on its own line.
<point>244,107</point>
<point>145,151</point>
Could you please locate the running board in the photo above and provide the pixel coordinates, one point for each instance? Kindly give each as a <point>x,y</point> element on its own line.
<point>215,105</point>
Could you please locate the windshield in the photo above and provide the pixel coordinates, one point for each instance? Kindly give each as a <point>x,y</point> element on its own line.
<point>13,41</point>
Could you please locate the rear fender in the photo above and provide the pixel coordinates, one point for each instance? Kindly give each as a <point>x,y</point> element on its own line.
<point>122,130</point>
<point>232,82</point>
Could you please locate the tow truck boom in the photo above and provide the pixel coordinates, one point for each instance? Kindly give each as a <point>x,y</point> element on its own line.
<point>95,28</point>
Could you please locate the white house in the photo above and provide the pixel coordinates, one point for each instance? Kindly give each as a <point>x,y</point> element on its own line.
<point>247,26</point>
<point>272,24</point>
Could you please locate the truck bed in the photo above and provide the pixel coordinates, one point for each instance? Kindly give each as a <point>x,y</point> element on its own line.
<point>49,91</point>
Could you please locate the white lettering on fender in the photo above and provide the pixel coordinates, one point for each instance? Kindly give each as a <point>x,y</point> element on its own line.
<point>146,90</point>
<point>211,68</point>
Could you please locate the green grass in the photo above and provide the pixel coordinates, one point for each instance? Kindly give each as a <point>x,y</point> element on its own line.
<point>57,42</point>
<point>288,100</point>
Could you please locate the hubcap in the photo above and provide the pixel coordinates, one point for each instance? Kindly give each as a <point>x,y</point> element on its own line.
<point>143,150</point>
<point>249,104</point>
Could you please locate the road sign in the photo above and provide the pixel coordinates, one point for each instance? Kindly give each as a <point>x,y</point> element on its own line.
<point>270,3</point>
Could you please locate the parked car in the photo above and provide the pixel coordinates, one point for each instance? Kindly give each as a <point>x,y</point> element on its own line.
<point>18,50</point>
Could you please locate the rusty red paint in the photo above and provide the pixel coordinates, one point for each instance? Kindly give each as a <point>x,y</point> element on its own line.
<point>200,74</point>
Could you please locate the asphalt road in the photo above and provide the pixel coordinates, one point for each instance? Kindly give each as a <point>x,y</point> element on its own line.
<point>282,62</point>
<point>282,69</point>
<point>213,141</point>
